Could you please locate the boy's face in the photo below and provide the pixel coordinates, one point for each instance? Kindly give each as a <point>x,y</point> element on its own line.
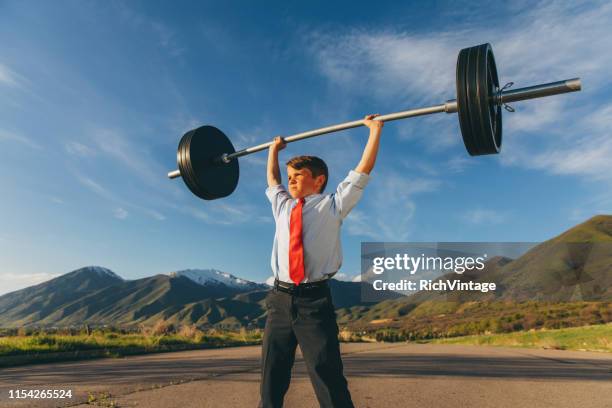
<point>301,182</point>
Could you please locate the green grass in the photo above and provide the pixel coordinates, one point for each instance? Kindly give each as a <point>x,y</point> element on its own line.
<point>587,338</point>
<point>46,347</point>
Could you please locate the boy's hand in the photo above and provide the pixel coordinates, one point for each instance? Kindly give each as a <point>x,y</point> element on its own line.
<point>278,144</point>
<point>373,124</point>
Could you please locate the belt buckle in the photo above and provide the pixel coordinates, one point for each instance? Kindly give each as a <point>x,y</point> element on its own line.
<point>283,288</point>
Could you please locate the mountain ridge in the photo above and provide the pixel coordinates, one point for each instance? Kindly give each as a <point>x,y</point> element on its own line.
<point>572,266</point>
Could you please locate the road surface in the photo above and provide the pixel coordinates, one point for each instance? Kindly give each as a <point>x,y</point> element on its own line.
<point>385,375</point>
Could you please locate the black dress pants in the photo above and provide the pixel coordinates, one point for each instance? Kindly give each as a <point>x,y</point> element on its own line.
<point>307,319</point>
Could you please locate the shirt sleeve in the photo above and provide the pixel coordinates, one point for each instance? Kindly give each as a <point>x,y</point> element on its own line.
<point>278,196</point>
<point>349,192</point>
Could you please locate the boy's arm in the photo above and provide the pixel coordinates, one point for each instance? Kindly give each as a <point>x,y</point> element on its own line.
<point>371,149</point>
<point>350,190</point>
<point>274,176</point>
<point>276,193</point>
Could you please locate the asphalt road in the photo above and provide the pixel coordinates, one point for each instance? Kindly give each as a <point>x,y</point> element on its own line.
<point>385,375</point>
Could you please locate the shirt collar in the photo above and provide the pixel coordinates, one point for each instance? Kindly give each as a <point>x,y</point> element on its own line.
<point>307,198</point>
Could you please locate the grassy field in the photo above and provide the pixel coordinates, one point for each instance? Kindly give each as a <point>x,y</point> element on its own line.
<point>587,338</point>
<point>43,346</point>
<point>46,347</point>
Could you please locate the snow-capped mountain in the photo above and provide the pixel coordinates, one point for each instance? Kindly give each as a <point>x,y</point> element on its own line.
<point>101,271</point>
<point>216,277</point>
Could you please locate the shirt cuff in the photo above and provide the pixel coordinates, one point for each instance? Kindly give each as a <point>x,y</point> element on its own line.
<point>358,179</point>
<point>274,190</point>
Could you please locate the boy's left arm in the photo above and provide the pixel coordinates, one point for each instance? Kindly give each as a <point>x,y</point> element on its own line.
<point>371,149</point>
<point>350,190</point>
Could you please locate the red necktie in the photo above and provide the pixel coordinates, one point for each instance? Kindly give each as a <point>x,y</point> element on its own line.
<point>296,247</point>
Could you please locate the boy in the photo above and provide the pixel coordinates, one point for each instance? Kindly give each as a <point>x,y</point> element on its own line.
<point>306,253</point>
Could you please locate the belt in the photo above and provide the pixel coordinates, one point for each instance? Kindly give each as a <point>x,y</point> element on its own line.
<point>302,288</point>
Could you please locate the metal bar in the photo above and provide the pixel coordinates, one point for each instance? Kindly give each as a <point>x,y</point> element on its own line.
<point>539,91</point>
<point>519,94</point>
<point>336,128</point>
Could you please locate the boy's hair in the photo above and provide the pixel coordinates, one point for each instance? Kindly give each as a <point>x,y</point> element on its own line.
<point>316,166</point>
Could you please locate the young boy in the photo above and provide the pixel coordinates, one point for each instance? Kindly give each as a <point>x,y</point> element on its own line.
<point>306,253</point>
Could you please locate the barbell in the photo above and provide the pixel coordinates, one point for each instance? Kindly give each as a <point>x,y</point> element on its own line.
<point>207,161</point>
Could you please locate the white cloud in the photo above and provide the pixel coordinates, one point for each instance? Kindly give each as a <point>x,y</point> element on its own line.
<point>10,78</point>
<point>341,276</point>
<point>157,215</point>
<point>270,281</point>
<point>222,213</point>
<point>79,149</point>
<point>566,135</point>
<point>164,36</point>
<point>391,206</point>
<point>356,278</point>
<point>96,188</point>
<point>120,213</point>
<point>482,216</point>
<point>134,156</point>
<point>15,137</point>
<point>10,282</point>
<point>544,42</point>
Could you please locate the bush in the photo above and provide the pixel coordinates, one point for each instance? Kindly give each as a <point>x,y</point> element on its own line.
<point>191,332</point>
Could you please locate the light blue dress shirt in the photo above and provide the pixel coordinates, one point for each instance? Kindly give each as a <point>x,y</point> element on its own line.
<point>322,216</point>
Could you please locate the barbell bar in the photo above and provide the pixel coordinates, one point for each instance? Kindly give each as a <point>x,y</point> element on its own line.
<point>207,159</point>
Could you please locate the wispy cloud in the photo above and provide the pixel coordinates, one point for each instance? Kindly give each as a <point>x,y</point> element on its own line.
<point>10,282</point>
<point>390,206</point>
<point>567,135</point>
<point>118,212</point>
<point>96,188</point>
<point>221,213</point>
<point>10,78</point>
<point>134,156</point>
<point>56,200</point>
<point>482,216</point>
<point>164,35</point>
<point>6,135</point>
<point>549,41</point>
<point>79,149</point>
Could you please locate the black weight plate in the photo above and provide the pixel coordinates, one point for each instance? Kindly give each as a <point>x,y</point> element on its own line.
<point>495,108</point>
<point>204,175</point>
<point>463,111</point>
<point>483,117</point>
<point>479,113</point>
<point>473,90</point>
<point>185,166</point>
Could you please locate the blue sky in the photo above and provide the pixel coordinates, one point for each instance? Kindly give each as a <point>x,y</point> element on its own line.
<point>94,97</point>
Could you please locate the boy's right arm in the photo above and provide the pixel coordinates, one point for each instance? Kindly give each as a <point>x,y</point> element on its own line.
<point>274,176</point>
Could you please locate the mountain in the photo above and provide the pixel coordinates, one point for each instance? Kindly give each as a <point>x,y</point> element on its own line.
<point>574,266</point>
<point>211,277</point>
<point>97,296</point>
<point>571,267</point>
<point>37,302</point>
